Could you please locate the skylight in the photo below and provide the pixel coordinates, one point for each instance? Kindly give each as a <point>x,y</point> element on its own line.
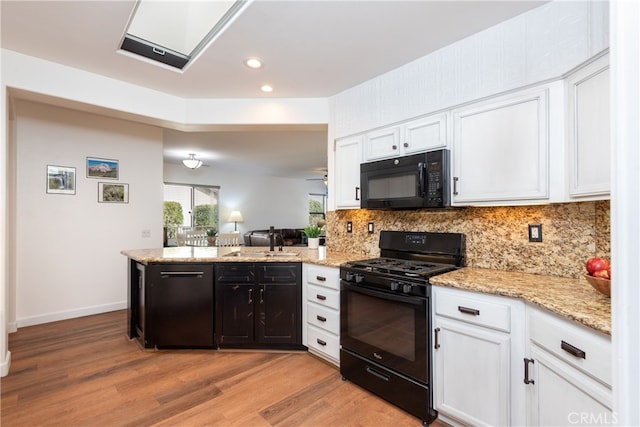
<point>175,32</point>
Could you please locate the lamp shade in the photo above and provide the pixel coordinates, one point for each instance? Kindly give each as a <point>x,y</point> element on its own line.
<point>235,216</point>
<point>192,162</point>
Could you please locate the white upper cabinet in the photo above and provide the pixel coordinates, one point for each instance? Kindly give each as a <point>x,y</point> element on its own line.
<point>348,156</point>
<point>588,127</point>
<point>382,144</point>
<point>501,148</point>
<point>414,136</point>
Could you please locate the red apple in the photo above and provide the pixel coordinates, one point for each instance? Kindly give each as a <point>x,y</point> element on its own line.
<point>596,264</point>
<point>602,274</point>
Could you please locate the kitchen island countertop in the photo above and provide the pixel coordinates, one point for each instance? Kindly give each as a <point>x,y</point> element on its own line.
<point>318,256</point>
<point>570,298</point>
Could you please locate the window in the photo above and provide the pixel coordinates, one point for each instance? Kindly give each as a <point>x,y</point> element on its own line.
<point>190,207</point>
<point>317,207</point>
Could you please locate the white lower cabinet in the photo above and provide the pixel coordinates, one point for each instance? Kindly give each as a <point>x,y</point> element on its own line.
<point>476,340</point>
<point>569,373</point>
<point>321,311</point>
<point>500,362</point>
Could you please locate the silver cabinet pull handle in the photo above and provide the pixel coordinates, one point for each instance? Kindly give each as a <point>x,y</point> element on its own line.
<point>436,343</point>
<point>455,185</point>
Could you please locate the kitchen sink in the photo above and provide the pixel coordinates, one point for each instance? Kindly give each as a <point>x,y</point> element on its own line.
<point>262,254</point>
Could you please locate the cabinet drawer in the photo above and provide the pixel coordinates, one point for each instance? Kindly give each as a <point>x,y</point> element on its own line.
<point>587,350</point>
<point>477,309</point>
<point>324,342</point>
<point>324,318</point>
<point>323,276</point>
<point>323,296</point>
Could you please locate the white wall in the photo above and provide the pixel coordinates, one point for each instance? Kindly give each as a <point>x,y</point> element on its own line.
<point>68,260</point>
<point>263,200</point>
<point>541,44</point>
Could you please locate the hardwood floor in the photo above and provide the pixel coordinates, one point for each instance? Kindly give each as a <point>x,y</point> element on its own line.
<point>85,372</point>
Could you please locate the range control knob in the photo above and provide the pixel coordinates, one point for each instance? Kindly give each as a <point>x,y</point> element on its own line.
<point>359,278</point>
<point>406,288</point>
<point>349,276</point>
<point>394,286</point>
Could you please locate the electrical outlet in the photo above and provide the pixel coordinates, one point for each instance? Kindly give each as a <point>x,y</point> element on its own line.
<point>146,234</point>
<point>535,232</point>
<point>349,226</point>
<point>370,228</point>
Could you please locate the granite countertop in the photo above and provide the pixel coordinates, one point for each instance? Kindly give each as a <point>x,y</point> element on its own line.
<point>571,298</point>
<point>318,256</point>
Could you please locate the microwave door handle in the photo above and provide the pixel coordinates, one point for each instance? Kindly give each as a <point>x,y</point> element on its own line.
<point>421,171</point>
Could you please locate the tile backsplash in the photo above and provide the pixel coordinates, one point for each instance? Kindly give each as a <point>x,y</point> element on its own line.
<point>496,237</point>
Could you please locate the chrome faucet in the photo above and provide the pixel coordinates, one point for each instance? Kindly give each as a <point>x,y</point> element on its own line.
<point>271,238</point>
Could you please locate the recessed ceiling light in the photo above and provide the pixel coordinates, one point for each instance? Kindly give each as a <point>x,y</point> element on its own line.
<point>253,63</point>
<point>266,88</point>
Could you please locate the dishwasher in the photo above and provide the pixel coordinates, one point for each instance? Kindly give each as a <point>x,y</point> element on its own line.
<point>180,305</point>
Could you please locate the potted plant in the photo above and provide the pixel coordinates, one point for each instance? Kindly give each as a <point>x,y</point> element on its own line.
<point>313,236</point>
<point>211,236</point>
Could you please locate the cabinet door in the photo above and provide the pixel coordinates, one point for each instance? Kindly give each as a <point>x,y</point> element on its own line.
<point>424,134</point>
<point>234,313</point>
<point>278,319</point>
<point>348,156</point>
<point>471,373</point>
<point>500,149</point>
<point>382,144</point>
<point>588,131</point>
<point>278,303</point>
<point>561,395</point>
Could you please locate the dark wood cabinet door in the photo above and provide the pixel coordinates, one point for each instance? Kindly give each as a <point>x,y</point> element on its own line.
<point>235,313</point>
<point>278,319</point>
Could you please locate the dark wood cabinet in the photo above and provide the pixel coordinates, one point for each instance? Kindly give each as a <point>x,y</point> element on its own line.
<point>258,305</point>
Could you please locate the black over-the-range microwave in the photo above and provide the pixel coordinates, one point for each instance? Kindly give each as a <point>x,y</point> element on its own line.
<point>409,182</point>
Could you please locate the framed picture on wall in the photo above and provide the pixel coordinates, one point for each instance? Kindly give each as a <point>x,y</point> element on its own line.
<point>109,192</point>
<point>102,168</point>
<point>61,180</point>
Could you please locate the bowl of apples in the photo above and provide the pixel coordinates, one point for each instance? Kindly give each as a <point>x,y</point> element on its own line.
<point>599,275</point>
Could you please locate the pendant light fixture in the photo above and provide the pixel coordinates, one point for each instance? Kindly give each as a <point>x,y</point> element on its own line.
<point>192,162</point>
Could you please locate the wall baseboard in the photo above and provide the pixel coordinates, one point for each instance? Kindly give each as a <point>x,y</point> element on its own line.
<point>12,327</point>
<point>4,366</point>
<point>69,314</point>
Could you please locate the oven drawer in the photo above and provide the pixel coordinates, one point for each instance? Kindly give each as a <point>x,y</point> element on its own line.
<point>323,341</point>
<point>324,318</point>
<point>587,350</point>
<point>323,296</point>
<point>328,277</point>
<point>478,309</point>
<point>403,392</point>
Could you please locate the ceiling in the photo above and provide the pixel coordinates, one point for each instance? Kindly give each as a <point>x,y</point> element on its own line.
<point>312,48</point>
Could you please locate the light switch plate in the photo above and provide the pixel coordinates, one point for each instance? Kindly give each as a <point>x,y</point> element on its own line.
<point>370,228</point>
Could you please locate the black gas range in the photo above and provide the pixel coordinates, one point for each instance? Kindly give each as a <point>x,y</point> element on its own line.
<point>385,329</point>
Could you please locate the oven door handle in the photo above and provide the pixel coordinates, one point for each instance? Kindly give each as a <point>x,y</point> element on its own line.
<point>385,295</point>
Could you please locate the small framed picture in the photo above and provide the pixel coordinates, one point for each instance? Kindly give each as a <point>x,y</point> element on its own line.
<point>102,168</point>
<point>109,192</point>
<point>61,180</point>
